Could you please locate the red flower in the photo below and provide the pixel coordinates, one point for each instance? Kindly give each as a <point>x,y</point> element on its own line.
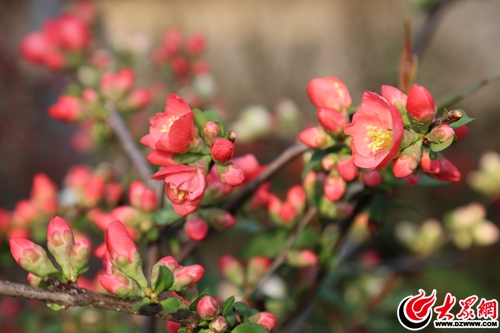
<point>185,186</point>
<point>174,129</point>
<point>377,131</point>
<point>329,92</point>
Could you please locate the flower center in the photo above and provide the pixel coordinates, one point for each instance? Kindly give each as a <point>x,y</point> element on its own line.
<point>181,193</point>
<point>166,127</point>
<point>378,139</point>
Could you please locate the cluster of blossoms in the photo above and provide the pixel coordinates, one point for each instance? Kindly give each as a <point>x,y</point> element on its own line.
<point>185,143</point>
<point>394,127</point>
<point>181,57</point>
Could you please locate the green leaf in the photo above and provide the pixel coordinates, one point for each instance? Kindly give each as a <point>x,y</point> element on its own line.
<point>187,158</point>
<point>249,328</point>
<point>227,305</point>
<point>199,119</point>
<point>313,162</point>
<point>182,329</point>
<point>306,239</point>
<point>171,304</point>
<point>194,303</point>
<point>241,308</point>
<point>143,302</point>
<point>463,121</point>
<point>456,96</point>
<point>267,243</point>
<point>441,146</point>
<point>166,216</point>
<point>231,318</point>
<point>56,307</point>
<point>211,115</point>
<point>165,279</point>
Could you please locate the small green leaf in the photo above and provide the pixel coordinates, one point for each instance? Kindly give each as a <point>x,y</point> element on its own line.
<point>463,121</point>
<point>182,329</point>
<point>241,308</point>
<point>164,280</point>
<point>138,305</point>
<point>171,304</point>
<point>314,161</point>
<point>249,328</point>
<point>267,243</point>
<point>211,115</point>
<point>194,303</point>
<point>231,318</point>
<point>166,216</point>
<point>56,307</point>
<point>227,305</point>
<point>199,119</point>
<point>441,146</point>
<point>187,158</point>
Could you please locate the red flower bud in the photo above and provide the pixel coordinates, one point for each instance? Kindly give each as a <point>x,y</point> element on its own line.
<point>448,172</point>
<point>208,308</point>
<point>120,245</point>
<point>256,268</point>
<point>139,98</point>
<point>316,137</point>
<point>332,120</point>
<point>34,47</point>
<point>301,258</point>
<point>31,257</point>
<point>403,167</point>
<point>265,319</point>
<point>120,285</point>
<point>196,228</point>
<point>34,280</point>
<point>334,188</point>
<point>420,104</point>
<point>223,220</point>
<point>59,233</point>
<point>218,325</point>
<point>195,44</point>
<point>94,191</point>
<point>296,196</point>
<point>230,174</point>
<point>441,133</point>
<point>232,270</point>
<point>116,85</point>
<point>68,109</point>
<point>347,169</point>
<point>412,179</point>
<point>222,150</point>
<point>43,194</point>
<point>170,262</point>
<point>428,165</point>
<point>74,35</point>
<point>371,178</point>
<point>460,133</point>
<point>187,276</point>
<point>329,92</point>
<point>211,131</point>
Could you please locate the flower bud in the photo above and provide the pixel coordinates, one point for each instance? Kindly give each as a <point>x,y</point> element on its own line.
<point>94,190</point>
<point>195,44</point>
<point>441,133</point>
<point>31,257</point>
<point>371,178</point>
<point>334,187</point>
<point>420,104</point>
<point>256,268</point>
<point>218,325</point>
<point>316,137</point>
<point>80,253</point>
<point>116,85</point>
<point>232,270</point>
<point>219,218</point>
<point>408,160</point>
<point>301,258</point>
<point>123,252</point>
<point>347,169</point>
<point>296,197</point>
<point>211,131</point>
<point>170,262</point>
<point>113,193</point>
<point>34,47</point>
<point>139,98</point>
<point>428,165</point>
<point>329,92</point>
<point>74,35</point>
<point>68,109</point>
<point>196,228</point>
<point>35,280</point>
<point>222,150</point>
<point>60,241</point>
<point>230,174</point>
<point>265,319</point>
<point>448,172</point>
<point>187,276</point>
<point>120,285</point>
<point>333,121</point>
<point>208,308</point>
<point>329,161</point>
<point>460,133</point>
<point>412,179</point>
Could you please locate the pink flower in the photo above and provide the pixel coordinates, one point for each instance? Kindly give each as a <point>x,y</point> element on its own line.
<point>196,228</point>
<point>316,137</point>
<point>404,166</point>
<point>43,194</point>
<point>222,150</point>
<point>67,109</point>
<point>296,196</point>
<point>265,319</point>
<point>208,308</point>
<point>161,158</point>
<point>329,92</point>
<point>142,197</point>
<point>173,130</point>
<point>185,186</point>
<point>420,104</point>
<point>139,98</point>
<point>332,120</point>
<point>393,95</point>
<point>376,131</point>
<point>249,165</point>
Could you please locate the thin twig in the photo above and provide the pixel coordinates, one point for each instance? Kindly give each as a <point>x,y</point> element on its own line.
<point>285,157</point>
<point>74,296</point>
<point>281,257</point>
<point>116,122</point>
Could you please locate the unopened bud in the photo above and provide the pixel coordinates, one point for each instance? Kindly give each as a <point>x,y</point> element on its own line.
<point>211,131</point>
<point>334,187</point>
<point>265,319</point>
<point>120,285</point>
<point>256,268</point>
<point>408,160</point>
<point>301,258</point>
<point>230,174</point>
<point>222,150</point>
<point>333,121</point>
<point>187,276</point>
<point>232,270</point>
<point>371,178</point>
<point>31,257</point>
<point>347,169</point>
<point>441,134</point>
<point>208,308</point>
<point>196,228</point>
<point>218,325</point>
<point>316,137</point>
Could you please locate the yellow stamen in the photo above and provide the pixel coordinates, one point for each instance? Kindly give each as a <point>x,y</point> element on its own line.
<point>378,139</point>
<point>166,127</point>
<point>180,193</point>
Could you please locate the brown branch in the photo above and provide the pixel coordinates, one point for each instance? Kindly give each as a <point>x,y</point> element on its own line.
<point>281,257</point>
<point>116,122</point>
<point>285,157</point>
<point>74,296</point>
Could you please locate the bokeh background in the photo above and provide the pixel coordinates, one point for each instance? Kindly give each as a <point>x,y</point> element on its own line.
<point>260,52</point>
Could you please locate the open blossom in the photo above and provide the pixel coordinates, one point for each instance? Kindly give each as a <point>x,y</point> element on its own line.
<point>377,131</point>
<point>185,186</point>
<point>174,129</point>
<point>329,92</point>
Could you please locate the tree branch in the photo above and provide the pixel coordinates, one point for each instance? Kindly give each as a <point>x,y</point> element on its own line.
<point>116,122</point>
<point>74,296</point>
<point>286,156</point>
<point>281,257</point>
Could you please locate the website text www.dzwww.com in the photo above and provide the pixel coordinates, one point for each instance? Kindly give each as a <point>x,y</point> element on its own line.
<point>466,324</point>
